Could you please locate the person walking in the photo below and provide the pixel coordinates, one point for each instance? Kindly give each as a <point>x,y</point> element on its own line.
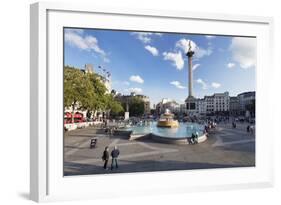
<point>114,154</point>
<point>105,157</point>
<point>248,128</point>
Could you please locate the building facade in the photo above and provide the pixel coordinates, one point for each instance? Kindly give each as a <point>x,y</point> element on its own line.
<point>221,102</point>
<point>201,106</point>
<point>247,103</point>
<point>234,109</point>
<point>217,103</point>
<point>183,109</point>
<point>209,100</point>
<point>166,103</point>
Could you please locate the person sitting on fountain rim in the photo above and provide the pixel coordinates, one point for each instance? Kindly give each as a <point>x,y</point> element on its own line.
<point>193,138</point>
<point>196,137</point>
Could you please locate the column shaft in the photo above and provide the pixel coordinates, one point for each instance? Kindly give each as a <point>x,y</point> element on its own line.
<point>190,77</point>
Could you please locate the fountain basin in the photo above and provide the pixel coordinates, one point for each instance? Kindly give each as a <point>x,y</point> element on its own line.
<point>172,140</point>
<point>177,135</point>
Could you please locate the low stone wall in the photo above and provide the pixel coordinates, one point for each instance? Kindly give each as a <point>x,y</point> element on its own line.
<point>170,140</point>
<point>202,138</point>
<point>138,136</point>
<point>74,126</point>
<point>122,133</point>
<point>98,131</point>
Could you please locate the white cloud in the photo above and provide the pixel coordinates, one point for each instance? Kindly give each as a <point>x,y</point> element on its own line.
<point>177,84</point>
<point>201,52</point>
<point>210,37</point>
<point>136,78</point>
<point>75,39</point>
<point>135,90</point>
<point>202,83</point>
<point>194,67</point>
<point>176,58</point>
<point>92,43</point>
<point>74,30</point>
<point>89,43</point>
<point>145,37</point>
<point>182,47</point>
<point>216,85</point>
<point>158,34</point>
<point>244,51</point>
<point>231,65</point>
<point>152,50</point>
<point>183,44</point>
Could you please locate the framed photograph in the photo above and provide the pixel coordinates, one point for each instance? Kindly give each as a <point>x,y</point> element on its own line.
<point>150,101</point>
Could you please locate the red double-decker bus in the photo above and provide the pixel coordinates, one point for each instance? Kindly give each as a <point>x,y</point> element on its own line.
<point>78,117</point>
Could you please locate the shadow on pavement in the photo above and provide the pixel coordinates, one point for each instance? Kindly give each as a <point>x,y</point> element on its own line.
<point>126,166</point>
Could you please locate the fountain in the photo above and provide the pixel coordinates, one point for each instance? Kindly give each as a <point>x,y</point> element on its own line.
<point>167,120</point>
<point>171,135</point>
<point>167,129</point>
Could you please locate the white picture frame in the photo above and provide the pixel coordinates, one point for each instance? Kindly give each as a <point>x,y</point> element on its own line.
<point>46,178</point>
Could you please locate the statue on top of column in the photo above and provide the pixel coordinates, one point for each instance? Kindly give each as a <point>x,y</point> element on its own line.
<point>190,52</point>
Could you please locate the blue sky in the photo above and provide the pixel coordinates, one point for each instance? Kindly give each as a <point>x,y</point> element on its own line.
<point>154,64</point>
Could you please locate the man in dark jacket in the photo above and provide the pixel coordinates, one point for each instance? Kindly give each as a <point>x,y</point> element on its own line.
<point>105,157</point>
<point>114,154</point>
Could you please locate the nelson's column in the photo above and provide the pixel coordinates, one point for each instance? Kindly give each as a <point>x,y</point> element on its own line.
<point>190,100</point>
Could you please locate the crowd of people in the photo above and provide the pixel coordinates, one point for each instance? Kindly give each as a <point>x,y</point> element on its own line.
<point>250,127</point>
<point>212,123</point>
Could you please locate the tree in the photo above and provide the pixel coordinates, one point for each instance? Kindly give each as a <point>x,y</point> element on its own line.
<point>136,107</point>
<point>113,106</point>
<point>86,91</point>
<point>153,112</point>
<point>77,90</point>
<point>98,101</point>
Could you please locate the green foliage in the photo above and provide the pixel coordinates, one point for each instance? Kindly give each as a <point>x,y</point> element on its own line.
<point>72,86</point>
<point>136,107</point>
<point>153,112</point>
<point>114,106</point>
<point>98,101</point>
<point>88,91</point>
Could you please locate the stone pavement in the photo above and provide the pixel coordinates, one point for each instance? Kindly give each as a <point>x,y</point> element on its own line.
<point>225,147</point>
